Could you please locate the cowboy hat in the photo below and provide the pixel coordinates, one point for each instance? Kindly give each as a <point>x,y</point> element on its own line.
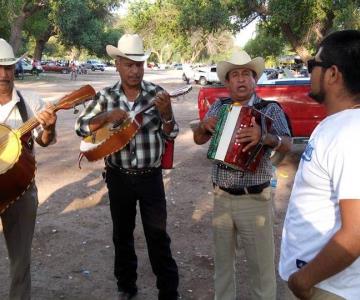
<point>240,59</point>
<point>129,46</point>
<point>7,56</point>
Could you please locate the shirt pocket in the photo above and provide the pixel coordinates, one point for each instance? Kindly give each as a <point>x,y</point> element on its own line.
<point>151,120</point>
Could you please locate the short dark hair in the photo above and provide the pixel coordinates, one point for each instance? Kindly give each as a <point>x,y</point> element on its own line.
<point>342,48</point>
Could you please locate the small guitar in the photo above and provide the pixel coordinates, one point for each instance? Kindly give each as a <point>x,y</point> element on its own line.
<point>17,163</point>
<point>112,138</point>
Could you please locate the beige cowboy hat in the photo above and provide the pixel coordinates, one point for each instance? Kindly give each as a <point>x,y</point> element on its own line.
<point>240,59</point>
<point>129,46</point>
<point>7,56</point>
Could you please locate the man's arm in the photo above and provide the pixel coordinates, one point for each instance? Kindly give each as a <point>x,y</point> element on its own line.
<point>116,115</point>
<point>204,130</point>
<point>340,252</point>
<point>252,136</point>
<point>47,119</point>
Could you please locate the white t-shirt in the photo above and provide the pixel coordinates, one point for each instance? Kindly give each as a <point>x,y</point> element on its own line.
<point>328,171</point>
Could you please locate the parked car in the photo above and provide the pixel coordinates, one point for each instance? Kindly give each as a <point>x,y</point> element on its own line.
<point>54,67</point>
<point>206,75</point>
<point>94,65</point>
<point>291,93</point>
<point>26,67</point>
<point>177,66</point>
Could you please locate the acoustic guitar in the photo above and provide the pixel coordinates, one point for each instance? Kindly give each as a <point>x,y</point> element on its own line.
<point>17,162</point>
<point>113,137</point>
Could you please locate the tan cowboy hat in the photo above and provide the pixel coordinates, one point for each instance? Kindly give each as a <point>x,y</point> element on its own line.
<point>240,59</point>
<point>129,46</point>
<point>7,56</point>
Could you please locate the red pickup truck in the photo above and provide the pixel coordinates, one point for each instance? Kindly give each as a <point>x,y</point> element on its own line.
<point>291,93</point>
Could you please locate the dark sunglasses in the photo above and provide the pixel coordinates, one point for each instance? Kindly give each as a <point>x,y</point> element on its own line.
<point>312,63</point>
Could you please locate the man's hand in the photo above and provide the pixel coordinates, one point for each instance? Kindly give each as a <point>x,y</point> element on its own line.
<point>298,287</point>
<point>250,135</point>
<point>47,118</point>
<point>208,124</point>
<point>163,104</point>
<point>117,115</point>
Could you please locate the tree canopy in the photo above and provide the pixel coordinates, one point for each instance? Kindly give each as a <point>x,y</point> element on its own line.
<point>176,30</point>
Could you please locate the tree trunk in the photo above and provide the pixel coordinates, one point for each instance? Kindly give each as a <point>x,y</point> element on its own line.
<point>15,34</point>
<point>295,42</point>
<point>41,42</point>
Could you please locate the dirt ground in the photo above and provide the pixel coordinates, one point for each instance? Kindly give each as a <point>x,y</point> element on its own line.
<point>72,254</point>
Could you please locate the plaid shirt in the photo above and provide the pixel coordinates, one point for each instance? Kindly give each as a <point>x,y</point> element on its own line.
<point>146,148</point>
<point>231,178</point>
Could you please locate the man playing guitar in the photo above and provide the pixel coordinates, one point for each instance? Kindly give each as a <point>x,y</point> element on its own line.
<point>18,220</point>
<point>134,172</point>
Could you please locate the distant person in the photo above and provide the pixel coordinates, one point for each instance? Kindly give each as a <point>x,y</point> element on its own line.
<point>134,173</point>
<point>19,69</point>
<point>242,199</point>
<point>73,70</point>
<point>18,220</point>
<point>321,236</point>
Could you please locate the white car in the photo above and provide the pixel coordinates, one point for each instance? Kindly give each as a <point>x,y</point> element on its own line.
<point>206,75</point>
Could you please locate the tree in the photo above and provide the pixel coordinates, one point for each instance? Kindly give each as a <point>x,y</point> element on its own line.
<point>166,32</point>
<point>85,23</point>
<point>301,23</point>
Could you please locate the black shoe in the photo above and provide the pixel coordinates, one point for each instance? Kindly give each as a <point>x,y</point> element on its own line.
<point>124,295</point>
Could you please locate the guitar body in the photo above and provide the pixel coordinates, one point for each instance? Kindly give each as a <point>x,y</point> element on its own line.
<point>17,162</point>
<point>107,140</point>
<point>17,166</point>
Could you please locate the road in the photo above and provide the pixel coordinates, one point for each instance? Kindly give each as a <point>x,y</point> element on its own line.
<point>72,247</point>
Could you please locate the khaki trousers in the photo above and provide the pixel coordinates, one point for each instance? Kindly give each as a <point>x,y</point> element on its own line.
<point>319,294</point>
<point>249,217</point>
<point>18,223</point>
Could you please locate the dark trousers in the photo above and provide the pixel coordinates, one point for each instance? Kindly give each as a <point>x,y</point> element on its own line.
<point>124,191</point>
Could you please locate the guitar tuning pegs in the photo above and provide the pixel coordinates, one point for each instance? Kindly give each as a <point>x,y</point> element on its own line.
<point>76,111</point>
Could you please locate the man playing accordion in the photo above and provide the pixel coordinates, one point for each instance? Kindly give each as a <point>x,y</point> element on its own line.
<point>242,197</point>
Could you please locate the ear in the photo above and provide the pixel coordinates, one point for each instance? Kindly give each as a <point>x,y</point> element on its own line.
<point>334,75</point>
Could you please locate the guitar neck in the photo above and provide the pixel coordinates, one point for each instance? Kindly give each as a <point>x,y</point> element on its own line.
<point>32,123</point>
<point>150,105</point>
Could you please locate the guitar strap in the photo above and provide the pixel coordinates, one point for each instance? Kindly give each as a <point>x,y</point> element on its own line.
<point>24,117</point>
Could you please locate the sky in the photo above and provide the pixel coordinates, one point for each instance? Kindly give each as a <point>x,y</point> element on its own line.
<point>244,35</point>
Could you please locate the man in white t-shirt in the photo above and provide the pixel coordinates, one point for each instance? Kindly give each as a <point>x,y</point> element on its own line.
<point>18,220</point>
<point>321,237</point>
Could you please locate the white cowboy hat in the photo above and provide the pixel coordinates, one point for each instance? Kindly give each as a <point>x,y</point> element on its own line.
<point>240,59</point>
<point>129,46</point>
<point>7,56</point>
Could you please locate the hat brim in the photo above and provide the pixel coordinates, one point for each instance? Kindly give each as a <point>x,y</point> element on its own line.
<point>115,52</point>
<point>223,67</point>
<point>11,61</point>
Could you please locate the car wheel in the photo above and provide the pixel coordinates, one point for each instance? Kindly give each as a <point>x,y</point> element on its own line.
<point>92,69</point>
<point>202,81</point>
<point>63,71</point>
<point>102,70</point>
<point>184,78</point>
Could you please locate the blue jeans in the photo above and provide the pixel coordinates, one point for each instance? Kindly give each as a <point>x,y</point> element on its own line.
<point>124,192</point>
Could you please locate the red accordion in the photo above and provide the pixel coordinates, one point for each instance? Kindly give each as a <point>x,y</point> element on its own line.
<point>223,147</point>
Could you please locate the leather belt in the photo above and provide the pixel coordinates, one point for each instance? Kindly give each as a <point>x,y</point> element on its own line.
<point>254,189</point>
<point>134,172</point>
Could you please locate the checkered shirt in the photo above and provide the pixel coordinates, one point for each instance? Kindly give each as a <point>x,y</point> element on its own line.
<point>146,148</point>
<point>231,178</point>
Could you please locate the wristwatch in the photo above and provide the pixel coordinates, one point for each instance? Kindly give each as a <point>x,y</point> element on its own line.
<point>279,139</point>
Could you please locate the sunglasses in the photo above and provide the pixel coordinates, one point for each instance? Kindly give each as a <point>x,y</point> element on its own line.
<point>312,63</point>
